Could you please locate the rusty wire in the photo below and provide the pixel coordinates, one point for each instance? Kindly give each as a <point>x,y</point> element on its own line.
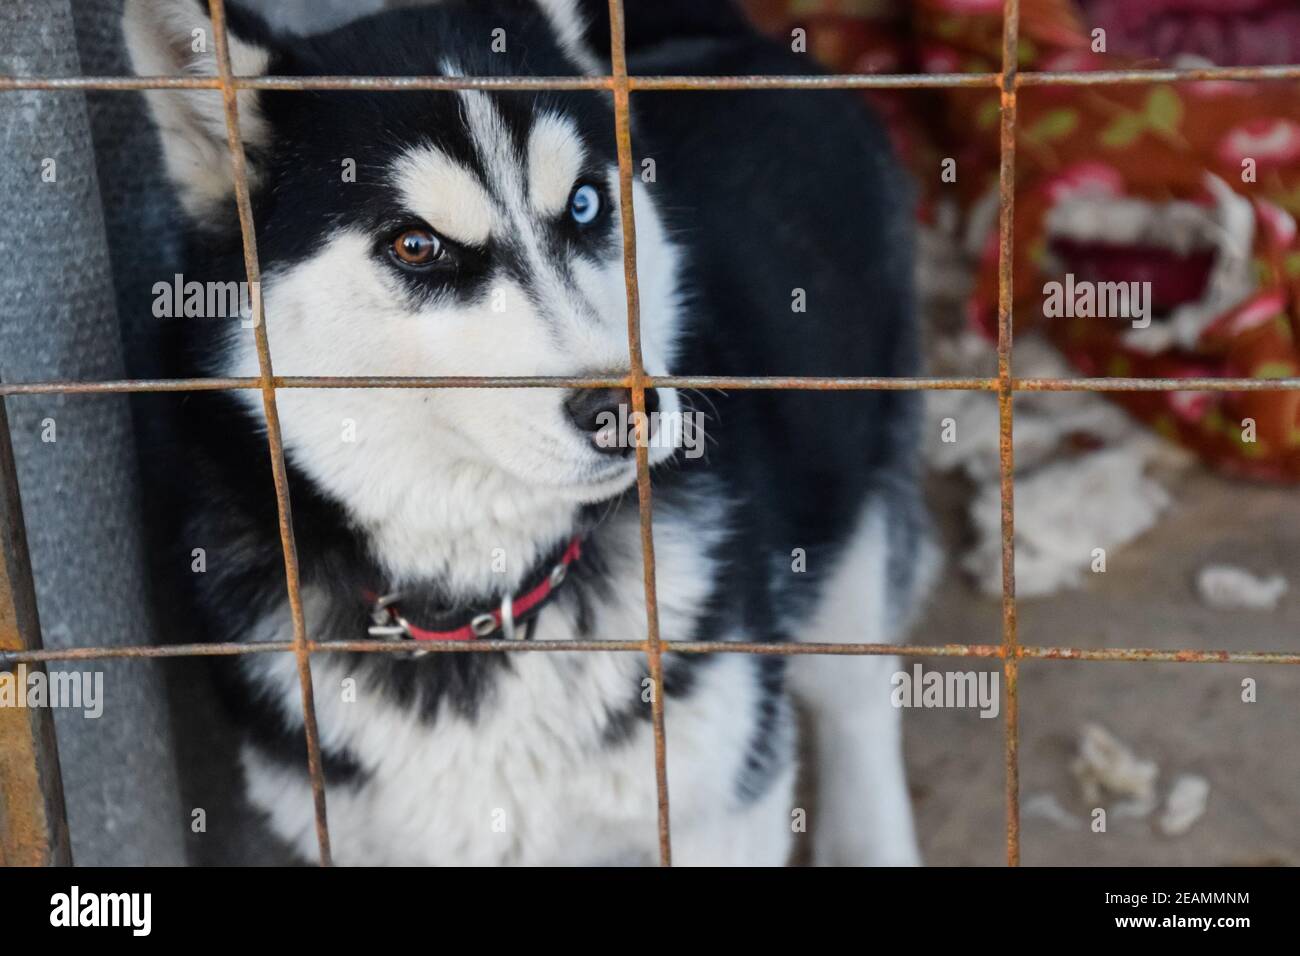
<point>834,81</point>
<point>1006,449</point>
<point>1009,651</point>
<point>279,470</point>
<point>1153,655</point>
<point>721,382</point>
<point>654,648</point>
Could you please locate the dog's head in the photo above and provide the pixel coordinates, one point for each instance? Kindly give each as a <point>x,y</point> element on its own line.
<point>423,233</point>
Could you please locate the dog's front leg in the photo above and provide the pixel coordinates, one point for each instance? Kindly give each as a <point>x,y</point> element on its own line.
<point>863,814</point>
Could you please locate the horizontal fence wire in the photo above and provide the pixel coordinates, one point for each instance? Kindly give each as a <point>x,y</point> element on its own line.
<point>1154,655</point>
<point>1009,651</point>
<point>683,84</point>
<point>721,382</point>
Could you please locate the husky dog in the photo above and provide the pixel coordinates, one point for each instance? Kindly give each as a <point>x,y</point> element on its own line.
<point>477,233</point>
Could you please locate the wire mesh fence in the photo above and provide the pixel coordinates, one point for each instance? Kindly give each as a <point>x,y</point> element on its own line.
<point>1010,651</point>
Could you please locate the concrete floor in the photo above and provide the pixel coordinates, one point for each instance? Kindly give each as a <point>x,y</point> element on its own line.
<point>1189,718</point>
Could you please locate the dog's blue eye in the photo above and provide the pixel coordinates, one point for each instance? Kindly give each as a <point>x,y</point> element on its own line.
<point>585,205</point>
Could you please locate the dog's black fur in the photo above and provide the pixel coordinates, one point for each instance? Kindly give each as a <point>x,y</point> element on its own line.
<point>765,192</point>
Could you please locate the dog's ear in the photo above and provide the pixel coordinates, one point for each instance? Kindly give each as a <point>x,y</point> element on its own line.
<point>175,38</point>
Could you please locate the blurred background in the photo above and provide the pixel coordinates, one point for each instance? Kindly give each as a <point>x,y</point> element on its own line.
<point>1142,519</point>
<point>1157,520</point>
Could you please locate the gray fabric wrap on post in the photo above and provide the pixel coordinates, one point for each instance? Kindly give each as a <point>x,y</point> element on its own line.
<point>80,491</point>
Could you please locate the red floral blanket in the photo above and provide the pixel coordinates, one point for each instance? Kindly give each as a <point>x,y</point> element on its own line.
<point>1187,192</point>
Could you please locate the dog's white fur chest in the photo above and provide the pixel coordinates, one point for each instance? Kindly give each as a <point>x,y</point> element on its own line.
<point>532,777</point>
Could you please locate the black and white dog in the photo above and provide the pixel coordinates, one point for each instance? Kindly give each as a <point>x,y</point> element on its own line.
<point>478,234</point>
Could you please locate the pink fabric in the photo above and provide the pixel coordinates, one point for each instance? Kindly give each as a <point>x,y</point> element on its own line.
<point>1226,32</point>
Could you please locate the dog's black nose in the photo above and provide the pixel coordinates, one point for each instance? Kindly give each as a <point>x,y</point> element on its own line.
<point>605,414</point>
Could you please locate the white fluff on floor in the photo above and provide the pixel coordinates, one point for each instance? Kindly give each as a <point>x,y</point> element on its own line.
<point>1068,502</point>
<point>1185,804</point>
<point>1064,511</point>
<point>1105,766</point>
<point>1230,588</point>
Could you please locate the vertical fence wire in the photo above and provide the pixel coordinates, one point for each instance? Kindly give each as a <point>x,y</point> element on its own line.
<point>279,472</point>
<point>654,647</point>
<point>1006,396</point>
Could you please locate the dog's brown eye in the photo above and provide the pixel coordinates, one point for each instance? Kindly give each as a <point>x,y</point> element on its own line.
<point>417,247</point>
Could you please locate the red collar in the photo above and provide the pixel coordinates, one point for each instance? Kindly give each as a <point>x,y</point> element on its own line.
<point>513,610</point>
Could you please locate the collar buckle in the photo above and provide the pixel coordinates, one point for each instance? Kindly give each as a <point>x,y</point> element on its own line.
<point>385,621</point>
<point>388,622</point>
<point>508,617</point>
